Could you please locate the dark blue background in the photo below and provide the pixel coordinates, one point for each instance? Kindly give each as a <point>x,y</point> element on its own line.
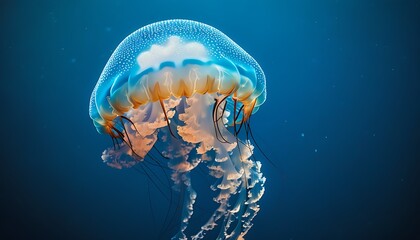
<point>341,120</point>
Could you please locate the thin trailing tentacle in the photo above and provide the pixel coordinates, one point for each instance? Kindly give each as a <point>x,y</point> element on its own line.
<point>187,209</point>
<point>166,118</point>
<point>216,125</point>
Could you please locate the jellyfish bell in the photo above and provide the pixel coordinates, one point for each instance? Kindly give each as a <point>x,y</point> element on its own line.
<point>186,87</point>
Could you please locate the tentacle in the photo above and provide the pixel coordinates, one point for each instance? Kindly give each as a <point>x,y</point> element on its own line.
<point>166,118</point>
<point>249,131</point>
<point>187,210</point>
<point>216,125</point>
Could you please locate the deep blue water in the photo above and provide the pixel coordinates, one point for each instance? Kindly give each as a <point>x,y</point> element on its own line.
<point>341,120</point>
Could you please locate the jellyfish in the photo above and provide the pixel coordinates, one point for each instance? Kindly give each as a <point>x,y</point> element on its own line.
<point>186,90</point>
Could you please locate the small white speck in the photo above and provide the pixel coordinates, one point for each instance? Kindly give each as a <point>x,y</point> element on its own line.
<point>302,134</point>
<point>316,150</point>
